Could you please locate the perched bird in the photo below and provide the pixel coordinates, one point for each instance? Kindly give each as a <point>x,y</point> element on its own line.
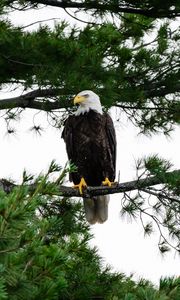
<point>90,140</point>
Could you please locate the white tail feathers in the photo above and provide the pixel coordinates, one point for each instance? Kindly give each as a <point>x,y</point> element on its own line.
<point>96,209</point>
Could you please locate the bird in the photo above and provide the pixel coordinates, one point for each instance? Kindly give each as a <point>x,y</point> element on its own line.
<point>90,139</point>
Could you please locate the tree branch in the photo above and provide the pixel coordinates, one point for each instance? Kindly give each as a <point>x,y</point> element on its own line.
<point>29,100</point>
<point>146,107</point>
<point>153,12</point>
<point>65,191</point>
<point>160,195</point>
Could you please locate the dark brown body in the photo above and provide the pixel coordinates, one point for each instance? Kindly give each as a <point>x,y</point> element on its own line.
<point>91,146</point>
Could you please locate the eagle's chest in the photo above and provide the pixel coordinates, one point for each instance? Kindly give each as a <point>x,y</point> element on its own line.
<point>89,129</point>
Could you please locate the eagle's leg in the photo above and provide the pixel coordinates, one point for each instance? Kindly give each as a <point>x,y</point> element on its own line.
<point>81,185</point>
<point>107,182</point>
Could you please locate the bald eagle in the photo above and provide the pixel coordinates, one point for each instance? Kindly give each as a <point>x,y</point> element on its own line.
<point>90,140</point>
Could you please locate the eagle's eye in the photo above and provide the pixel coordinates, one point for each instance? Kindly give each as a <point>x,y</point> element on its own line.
<point>86,95</point>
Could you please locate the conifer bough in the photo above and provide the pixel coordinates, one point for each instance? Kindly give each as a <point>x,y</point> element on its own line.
<point>65,191</point>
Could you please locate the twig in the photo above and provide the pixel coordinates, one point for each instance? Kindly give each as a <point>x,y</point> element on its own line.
<point>160,195</point>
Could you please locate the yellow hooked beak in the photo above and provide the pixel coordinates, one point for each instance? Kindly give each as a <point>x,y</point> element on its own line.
<point>79,99</point>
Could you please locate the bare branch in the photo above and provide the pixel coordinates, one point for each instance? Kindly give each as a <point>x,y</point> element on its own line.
<point>40,21</point>
<point>65,191</point>
<point>28,100</point>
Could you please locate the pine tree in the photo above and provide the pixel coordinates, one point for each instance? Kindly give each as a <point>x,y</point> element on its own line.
<point>45,254</point>
<point>138,77</point>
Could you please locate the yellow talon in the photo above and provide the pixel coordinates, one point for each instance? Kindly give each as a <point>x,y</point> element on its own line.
<point>107,182</point>
<point>81,185</point>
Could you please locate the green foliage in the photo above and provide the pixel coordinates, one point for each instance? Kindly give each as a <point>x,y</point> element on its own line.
<point>42,239</point>
<point>170,287</point>
<point>161,210</point>
<point>156,165</point>
<point>102,8</point>
<point>45,252</point>
<point>163,38</point>
<point>114,59</point>
<point>159,167</point>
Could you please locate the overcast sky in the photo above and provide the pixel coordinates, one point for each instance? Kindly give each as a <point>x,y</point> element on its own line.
<point>121,243</point>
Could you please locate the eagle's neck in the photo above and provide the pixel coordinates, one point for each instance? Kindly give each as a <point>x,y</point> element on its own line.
<point>82,109</point>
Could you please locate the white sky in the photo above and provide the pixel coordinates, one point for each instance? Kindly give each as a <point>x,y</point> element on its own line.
<point>121,244</point>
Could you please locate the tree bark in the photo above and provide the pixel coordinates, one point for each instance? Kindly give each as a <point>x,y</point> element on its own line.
<point>30,99</point>
<point>65,191</point>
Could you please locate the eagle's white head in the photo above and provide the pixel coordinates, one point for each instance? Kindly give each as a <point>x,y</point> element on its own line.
<point>87,101</point>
